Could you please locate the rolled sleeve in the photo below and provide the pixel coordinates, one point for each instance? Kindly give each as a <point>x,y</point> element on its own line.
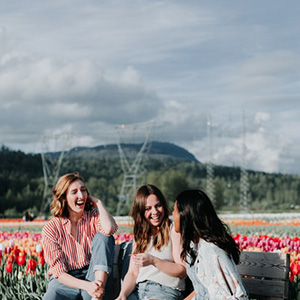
<point>98,225</point>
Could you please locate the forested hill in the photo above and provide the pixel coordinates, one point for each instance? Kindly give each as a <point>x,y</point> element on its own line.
<point>168,166</point>
<point>155,150</point>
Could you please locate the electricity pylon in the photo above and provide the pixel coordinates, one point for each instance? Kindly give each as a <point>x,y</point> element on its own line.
<point>52,162</point>
<point>210,186</point>
<point>133,171</point>
<point>244,181</point>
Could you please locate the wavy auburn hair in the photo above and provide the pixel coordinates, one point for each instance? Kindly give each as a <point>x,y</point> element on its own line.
<point>142,229</point>
<point>59,206</point>
<point>199,220</point>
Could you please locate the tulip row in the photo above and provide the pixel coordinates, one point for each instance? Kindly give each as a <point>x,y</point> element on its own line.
<point>23,274</point>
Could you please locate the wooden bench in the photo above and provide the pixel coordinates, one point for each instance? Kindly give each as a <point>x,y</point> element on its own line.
<point>265,275</point>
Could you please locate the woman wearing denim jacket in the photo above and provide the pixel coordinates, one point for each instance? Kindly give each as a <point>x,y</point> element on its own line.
<point>210,252</point>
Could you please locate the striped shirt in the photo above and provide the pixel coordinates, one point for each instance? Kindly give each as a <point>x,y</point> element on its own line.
<point>63,252</point>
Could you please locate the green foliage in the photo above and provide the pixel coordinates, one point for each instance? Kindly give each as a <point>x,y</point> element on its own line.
<point>22,182</point>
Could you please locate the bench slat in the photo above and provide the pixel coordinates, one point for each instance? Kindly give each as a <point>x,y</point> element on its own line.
<point>266,288</point>
<point>269,272</point>
<point>264,264</point>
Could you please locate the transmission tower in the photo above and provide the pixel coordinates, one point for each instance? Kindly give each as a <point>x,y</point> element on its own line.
<point>244,181</point>
<point>133,170</point>
<point>210,185</point>
<point>51,165</point>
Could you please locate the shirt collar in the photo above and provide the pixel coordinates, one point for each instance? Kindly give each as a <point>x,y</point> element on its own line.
<point>83,218</point>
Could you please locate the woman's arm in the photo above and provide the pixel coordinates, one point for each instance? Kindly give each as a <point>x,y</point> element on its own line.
<point>190,296</point>
<point>93,288</point>
<point>129,281</point>
<point>108,223</point>
<point>174,268</point>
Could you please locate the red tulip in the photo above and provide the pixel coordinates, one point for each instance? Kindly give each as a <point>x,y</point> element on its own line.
<point>31,265</point>
<point>9,267</point>
<point>16,253</point>
<point>42,260</point>
<point>10,259</point>
<point>21,260</point>
<point>295,268</point>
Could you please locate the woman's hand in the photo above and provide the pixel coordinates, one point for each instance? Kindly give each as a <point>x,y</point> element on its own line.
<point>143,259</point>
<point>94,200</point>
<point>95,289</point>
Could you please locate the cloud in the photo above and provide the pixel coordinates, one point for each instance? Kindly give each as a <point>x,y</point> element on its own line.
<point>172,64</point>
<point>39,95</point>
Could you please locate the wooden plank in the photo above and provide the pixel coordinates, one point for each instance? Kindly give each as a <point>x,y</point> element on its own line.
<point>264,264</point>
<point>269,272</point>
<point>265,288</point>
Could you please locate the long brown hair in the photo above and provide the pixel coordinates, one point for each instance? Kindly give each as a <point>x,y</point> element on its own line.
<point>59,206</point>
<point>142,229</point>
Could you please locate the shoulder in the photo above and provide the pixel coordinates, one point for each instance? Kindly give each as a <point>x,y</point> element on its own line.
<point>173,234</point>
<point>53,226</point>
<point>212,249</point>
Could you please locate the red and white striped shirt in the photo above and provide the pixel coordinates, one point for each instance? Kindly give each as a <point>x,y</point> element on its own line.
<point>63,252</point>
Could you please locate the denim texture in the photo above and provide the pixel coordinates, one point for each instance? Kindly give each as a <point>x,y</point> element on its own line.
<point>102,258</point>
<point>152,290</point>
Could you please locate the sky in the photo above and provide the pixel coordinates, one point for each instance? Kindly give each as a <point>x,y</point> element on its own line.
<point>219,78</point>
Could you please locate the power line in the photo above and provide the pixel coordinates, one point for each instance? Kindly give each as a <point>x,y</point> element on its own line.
<point>210,186</point>
<point>51,162</point>
<point>132,170</point>
<point>244,181</point>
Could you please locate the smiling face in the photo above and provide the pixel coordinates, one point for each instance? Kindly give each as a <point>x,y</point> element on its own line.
<point>76,197</point>
<point>154,212</point>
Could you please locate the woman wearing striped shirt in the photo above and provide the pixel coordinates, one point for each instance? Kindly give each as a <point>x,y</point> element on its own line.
<point>78,243</point>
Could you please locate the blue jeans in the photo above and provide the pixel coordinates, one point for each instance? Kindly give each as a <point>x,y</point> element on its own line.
<point>152,290</point>
<point>102,259</point>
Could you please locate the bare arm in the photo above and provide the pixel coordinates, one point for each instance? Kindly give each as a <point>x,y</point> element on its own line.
<point>190,296</point>
<point>94,288</point>
<point>174,268</point>
<point>108,223</point>
<point>129,282</point>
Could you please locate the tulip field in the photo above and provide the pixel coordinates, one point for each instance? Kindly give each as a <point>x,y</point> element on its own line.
<point>23,270</point>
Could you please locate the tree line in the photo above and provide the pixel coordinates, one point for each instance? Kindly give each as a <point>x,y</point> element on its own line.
<point>22,183</point>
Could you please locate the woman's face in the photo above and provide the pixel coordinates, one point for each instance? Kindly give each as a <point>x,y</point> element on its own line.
<point>76,196</point>
<point>154,211</point>
<point>176,217</point>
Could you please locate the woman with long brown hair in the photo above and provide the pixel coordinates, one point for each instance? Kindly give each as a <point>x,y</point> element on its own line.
<point>78,242</point>
<point>156,270</point>
<point>209,250</point>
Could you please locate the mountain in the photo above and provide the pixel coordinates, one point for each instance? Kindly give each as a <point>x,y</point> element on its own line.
<point>155,150</point>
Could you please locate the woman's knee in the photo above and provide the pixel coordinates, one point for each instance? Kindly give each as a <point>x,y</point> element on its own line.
<point>59,291</point>
<point>103,250</point>
<point>60,294</point>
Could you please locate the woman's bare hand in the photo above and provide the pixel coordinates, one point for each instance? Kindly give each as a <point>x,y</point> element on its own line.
<point>143,259</point>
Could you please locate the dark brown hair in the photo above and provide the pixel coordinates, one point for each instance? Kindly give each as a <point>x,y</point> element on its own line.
<point>199,220</point>
<point>142,229</point>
